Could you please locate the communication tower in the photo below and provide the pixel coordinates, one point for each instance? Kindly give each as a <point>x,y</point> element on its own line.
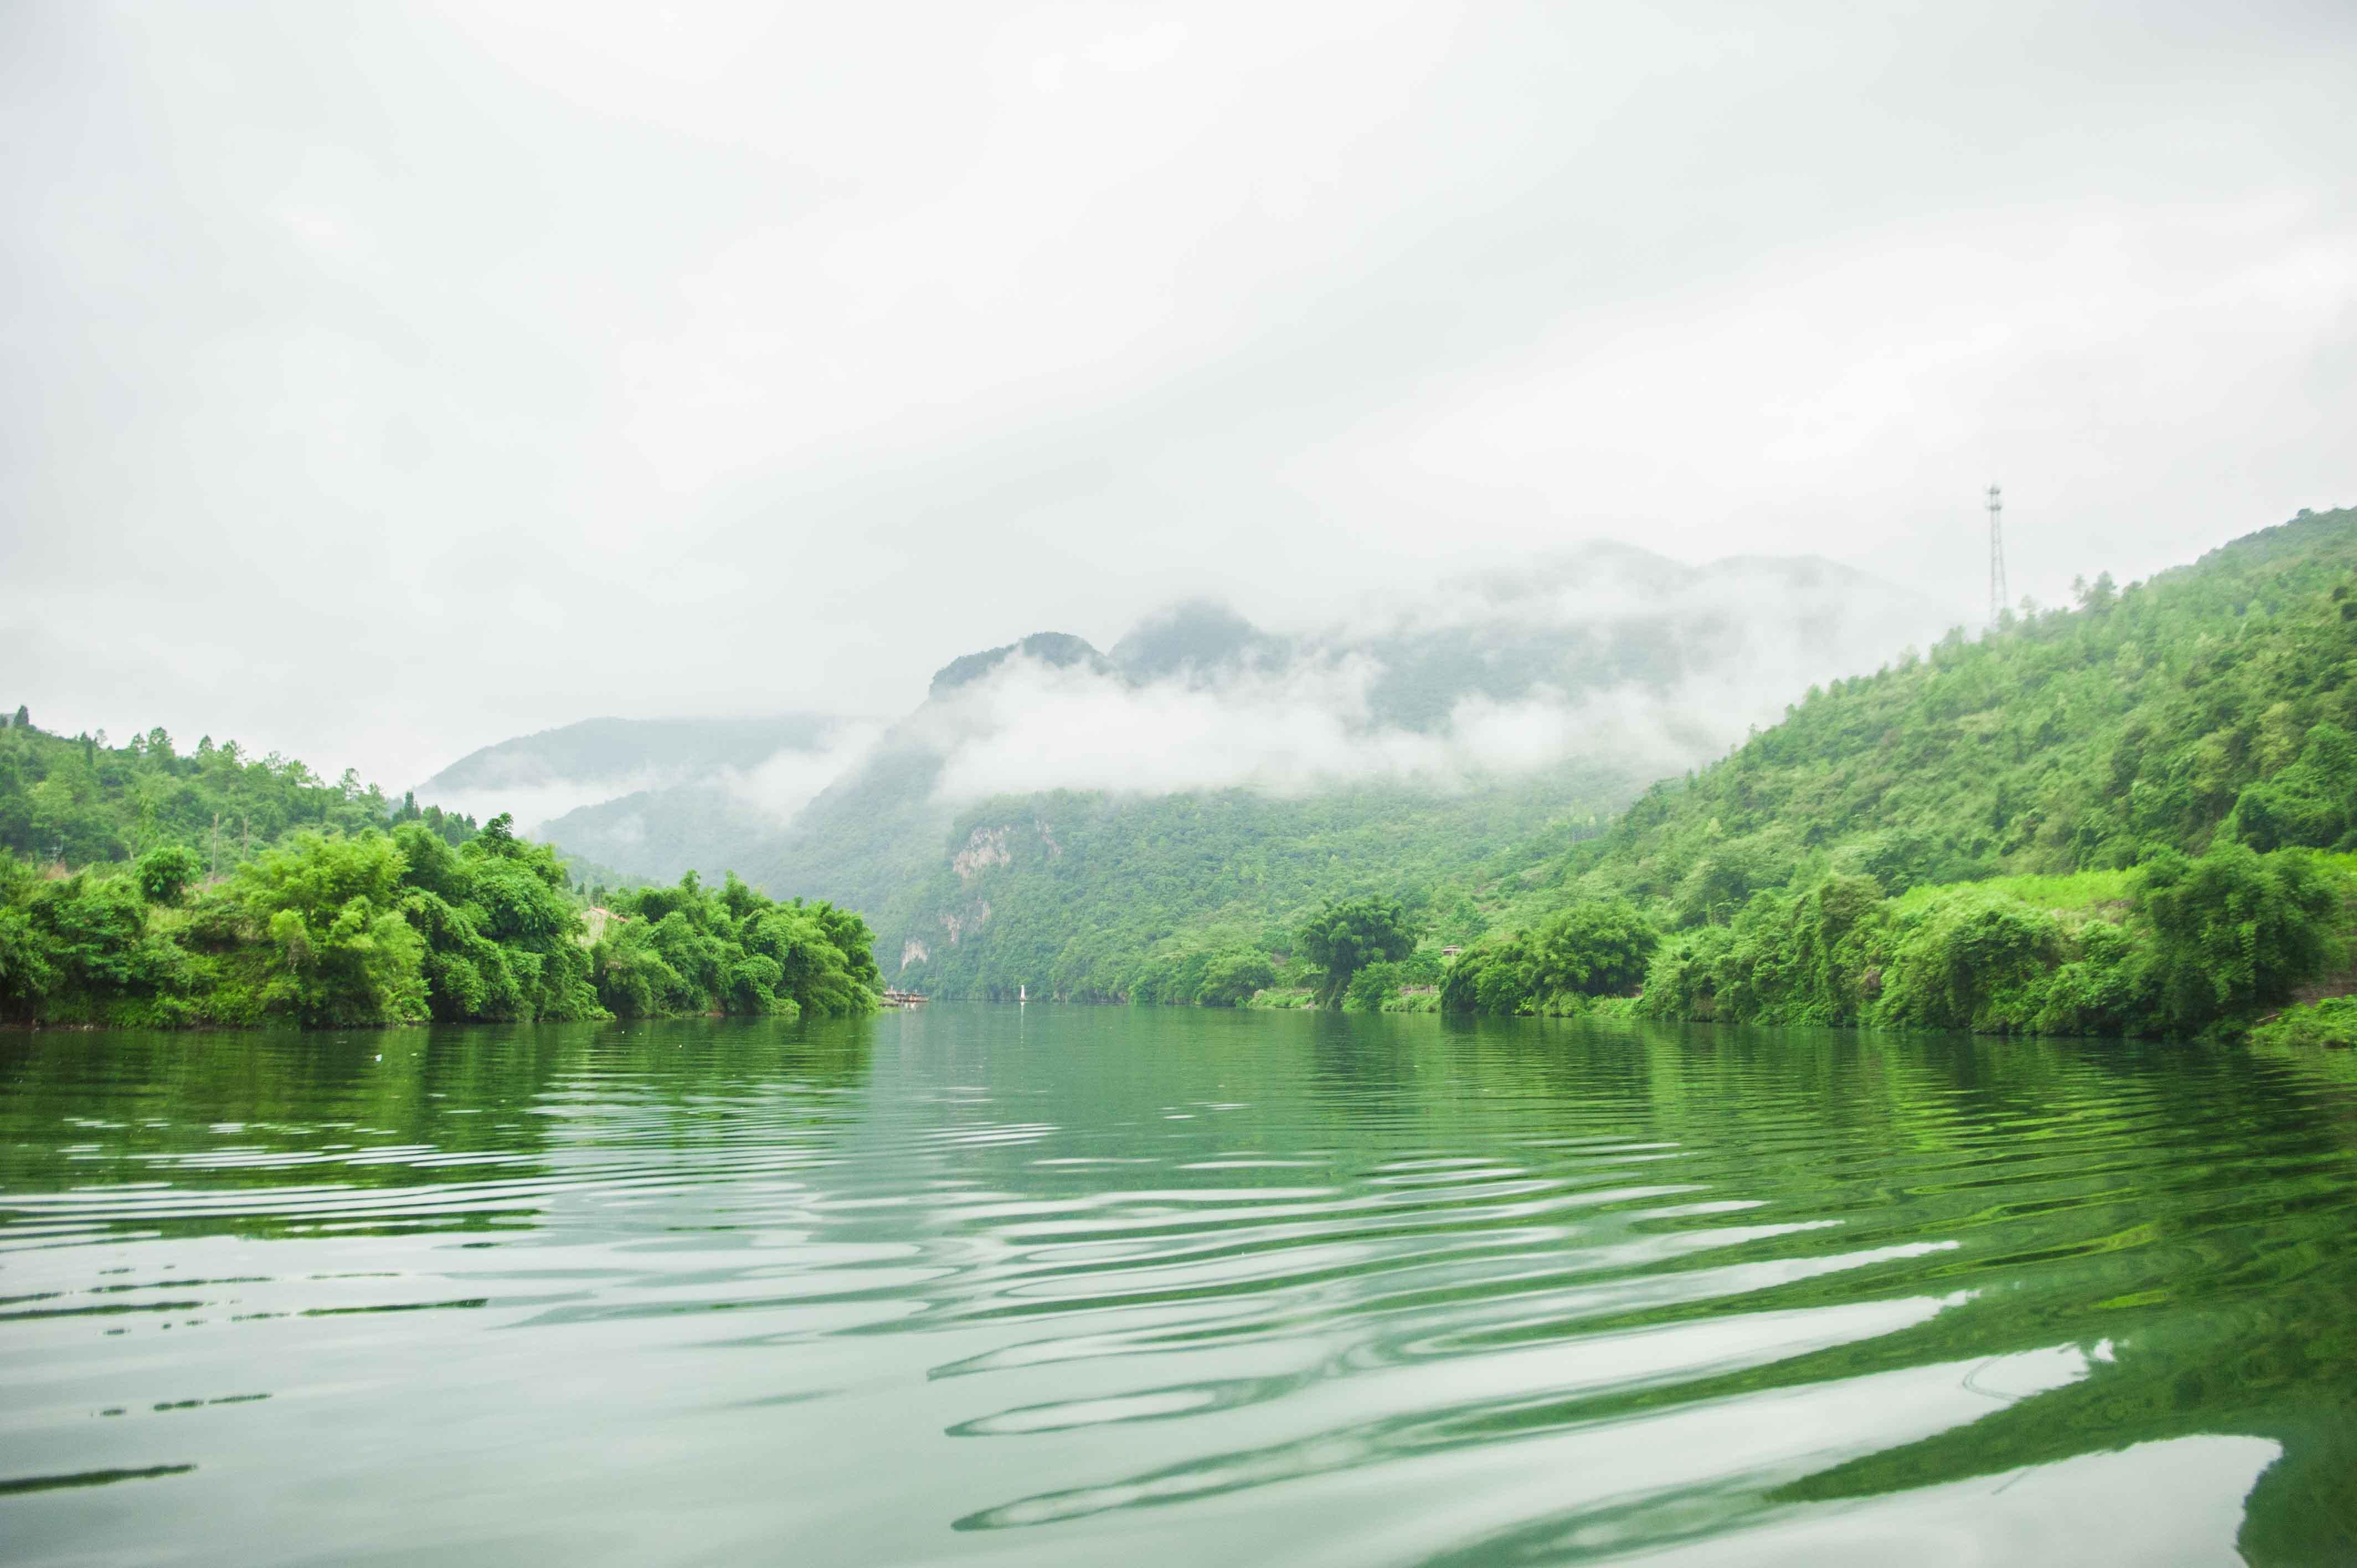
<point>1997,591</point>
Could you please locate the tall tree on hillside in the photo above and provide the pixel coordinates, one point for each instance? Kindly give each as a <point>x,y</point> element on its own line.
<point>1344,938</point>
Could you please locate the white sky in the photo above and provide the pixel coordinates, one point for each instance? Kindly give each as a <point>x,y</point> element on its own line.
<point>377,381</point>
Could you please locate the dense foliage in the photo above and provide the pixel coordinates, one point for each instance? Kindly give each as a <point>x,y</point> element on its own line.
<point>1090,897</point>
<point>2062,741</point>
<point>2189,945</point>
<point>2329,1022</point>
<point>217,889</point>
<point>80,800</point>
<point>1595,949</point>
<point>1347,935</point>
<point>333,930</point>
<point>685,950</point>
<point>1210,971</point>
<point>2098,821</point>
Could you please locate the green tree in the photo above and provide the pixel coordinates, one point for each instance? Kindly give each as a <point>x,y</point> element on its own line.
<point>2234,930</point>
<point>1961,960</point>
<point>1499,976</point>
<point>685,949</point>
<point>94,932</point>
<point>322,938</point>
<point>810,968</point>
<point>25,972</point>
<point>2312,802</point>
<point>1231,978</point>
<point>1344,937</point>
<point>165,874</point>
<point>1596,948</point>
<point>336,922</point>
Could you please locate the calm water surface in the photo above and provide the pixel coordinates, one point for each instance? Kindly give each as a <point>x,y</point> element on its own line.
<point>1097,1287</point>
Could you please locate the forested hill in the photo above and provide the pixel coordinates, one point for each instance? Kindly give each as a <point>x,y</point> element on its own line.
<point>2064,740</point>
<point>142,885</point>
<point>2130,816</point>
<point>80,800</point>
<point>1089,896</point>
<point>1063,819</point>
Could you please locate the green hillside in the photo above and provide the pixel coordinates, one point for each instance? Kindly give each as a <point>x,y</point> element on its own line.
<point>2065,740</point>
<point>80,800</point>
<point>1097,895</point>
<point>1088,896</point>
<point>1887,854</point>
<point>868,840</point>
<point>139,886</point>
<point>1142,879</point>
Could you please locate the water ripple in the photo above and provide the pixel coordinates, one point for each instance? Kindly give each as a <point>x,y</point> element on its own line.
<point>1131,1286</point>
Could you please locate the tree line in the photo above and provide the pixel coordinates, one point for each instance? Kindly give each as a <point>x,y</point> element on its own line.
<point>84,801</point>
<point>125,903</point>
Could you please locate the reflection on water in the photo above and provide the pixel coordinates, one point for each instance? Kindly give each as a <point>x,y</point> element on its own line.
<point>1079,1286</point>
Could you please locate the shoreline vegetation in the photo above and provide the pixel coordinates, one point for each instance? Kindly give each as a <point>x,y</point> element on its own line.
<point>2137,816</point>
<point>349,911</point>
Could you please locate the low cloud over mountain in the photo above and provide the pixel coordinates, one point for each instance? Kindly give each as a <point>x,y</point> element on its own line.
<point>1608,657</point>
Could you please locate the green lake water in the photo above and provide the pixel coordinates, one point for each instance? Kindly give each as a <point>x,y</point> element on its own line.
<point>1071,1285</point>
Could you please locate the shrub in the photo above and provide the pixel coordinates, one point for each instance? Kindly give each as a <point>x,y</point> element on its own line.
<point>1376,988</point>
<point>165,873</point>
<point>1231,979</point>
<point>1598,948</point>
<point>1971,959</point>
<point>2331,1021</point>
<point>1683,981</point>
<point>2233,930</point>
<point>2311,802</point>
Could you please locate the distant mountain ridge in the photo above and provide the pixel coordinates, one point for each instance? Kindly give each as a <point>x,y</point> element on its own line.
<point>610,747</point>
<point>1057,650</point>
<point>550,772</point>
<point>1528,697</point>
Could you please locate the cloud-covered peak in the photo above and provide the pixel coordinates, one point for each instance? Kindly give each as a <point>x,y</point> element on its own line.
<point>1055,650</point>
<point>1609,654</point>
<point>542,776</point>
<point>1201,637</point>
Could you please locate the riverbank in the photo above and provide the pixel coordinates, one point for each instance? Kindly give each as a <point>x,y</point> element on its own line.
<point>375,929</point>
<point>2217,945</point>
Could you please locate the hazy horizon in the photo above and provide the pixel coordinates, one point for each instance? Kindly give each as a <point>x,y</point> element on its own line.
<point>385,382</point>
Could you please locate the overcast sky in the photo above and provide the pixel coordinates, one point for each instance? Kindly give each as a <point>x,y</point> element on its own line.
<point>378,381</point>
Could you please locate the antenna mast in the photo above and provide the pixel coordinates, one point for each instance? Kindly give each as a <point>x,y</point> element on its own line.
<point>1998,590</point>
